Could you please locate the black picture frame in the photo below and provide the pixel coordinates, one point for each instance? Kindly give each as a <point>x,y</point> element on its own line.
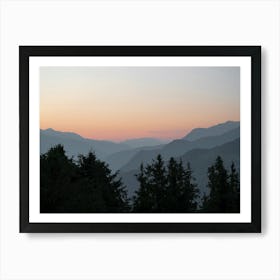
<point>254,52</point>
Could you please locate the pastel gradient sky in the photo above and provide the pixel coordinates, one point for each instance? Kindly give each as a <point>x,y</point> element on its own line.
<point>118,103</point>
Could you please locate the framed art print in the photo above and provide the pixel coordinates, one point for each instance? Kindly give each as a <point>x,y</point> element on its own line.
<point>140,138</point>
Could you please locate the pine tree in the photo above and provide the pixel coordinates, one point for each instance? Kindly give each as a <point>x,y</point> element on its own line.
<point>190,190</point>
<point>218,185</point>
<point>168,189</point>
<point>151,194</point>
<point>57,173</point>
<point>102,191</point>
<point>174,187</point>
<point>182,192</point>
<point>144,198</point>
<point>234,190</point>
<point>224,189</point>
<point>87,186</point>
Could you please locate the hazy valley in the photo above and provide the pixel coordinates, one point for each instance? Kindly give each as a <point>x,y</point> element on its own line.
<point>199,147</point>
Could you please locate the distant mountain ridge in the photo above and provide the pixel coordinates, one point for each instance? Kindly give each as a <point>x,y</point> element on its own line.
<point>179,147</point>
<point>119,159</point>
<point>75,144</point>
<point>55,133</point>
<point>215,130</point>
<point>199,159</point>
<point>143,142</point>
<point>200,147</point>
<point>129,154</point>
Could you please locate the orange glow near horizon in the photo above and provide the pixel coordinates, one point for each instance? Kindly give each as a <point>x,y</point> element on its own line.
<point>118,103</point>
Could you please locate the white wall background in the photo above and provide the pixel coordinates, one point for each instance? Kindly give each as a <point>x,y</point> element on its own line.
<point>139,256</point>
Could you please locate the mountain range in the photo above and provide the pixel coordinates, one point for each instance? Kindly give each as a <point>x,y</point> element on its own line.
<point>200,147</point>
<point>215,130</point>
<point>199,159</point>
<point>178,147</point>
<point>143,142</point>
<point>75,144</point>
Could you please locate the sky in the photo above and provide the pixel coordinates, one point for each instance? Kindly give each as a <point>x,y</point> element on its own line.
<point>119,103</point>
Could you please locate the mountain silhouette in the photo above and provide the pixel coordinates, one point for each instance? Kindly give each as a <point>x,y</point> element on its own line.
<point>75,144</point>
<point>215,130</point>
<point>179,147</point>
<point>199,159</point>
<point>143,142</point>
<point>129,154</point>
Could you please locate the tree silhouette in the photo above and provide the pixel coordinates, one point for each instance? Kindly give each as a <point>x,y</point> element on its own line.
<point>152,179</point>
<point>165,189</point>
<point>87,185</point>
<point>83,187</point>
<point>182,192</point>
<point>234,190</point>
<point>144,198</point>
<point>224,189</point>
<point>190,190</point>
<point>57,174</point>
<point>103,192</point>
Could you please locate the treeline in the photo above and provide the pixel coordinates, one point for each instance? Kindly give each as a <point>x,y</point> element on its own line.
<point>87,185</point>
<point>166,189</point>
<point>171,188</point>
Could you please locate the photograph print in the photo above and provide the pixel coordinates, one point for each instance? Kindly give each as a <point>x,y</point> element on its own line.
<point>139,140</point>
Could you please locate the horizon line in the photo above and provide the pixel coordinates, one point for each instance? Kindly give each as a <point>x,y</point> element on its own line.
<point>138,138</point>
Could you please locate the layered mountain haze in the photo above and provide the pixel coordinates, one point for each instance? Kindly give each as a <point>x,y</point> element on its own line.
<point>144,142</point>
<point>199,159</point>
<point>200,153</point>
<point>178,147</point>
<point>215,130</point>
<point>200,147</point>
<point>120,159</point>
<point>75,144</point>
